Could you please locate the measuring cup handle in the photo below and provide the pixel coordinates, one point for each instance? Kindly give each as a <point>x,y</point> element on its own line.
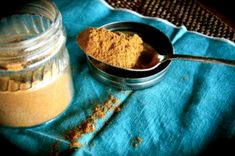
<point>204,59</point>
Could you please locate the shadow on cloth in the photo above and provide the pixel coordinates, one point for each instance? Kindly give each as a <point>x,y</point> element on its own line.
<point>8,148</point>
<point>220,146</point>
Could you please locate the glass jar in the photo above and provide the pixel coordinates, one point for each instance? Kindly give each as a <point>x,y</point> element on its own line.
<point>35,78</point>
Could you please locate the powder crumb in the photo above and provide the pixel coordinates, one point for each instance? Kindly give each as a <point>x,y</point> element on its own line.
<point>115,101</point>
<point>118,109</point>
<point>108,102</point>
<point>88,127</point>
<point>111,100</point>
<point>111,97</point>
<point>99,112</point>
<point>76,145</point>
<point>136,141</point>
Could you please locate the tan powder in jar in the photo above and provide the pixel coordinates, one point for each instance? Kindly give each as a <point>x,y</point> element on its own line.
<point>117,49</point>
<point>35,77</point>
<point>36,105</point>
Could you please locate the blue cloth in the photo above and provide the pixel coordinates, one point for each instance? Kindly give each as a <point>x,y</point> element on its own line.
<point>189,109</point>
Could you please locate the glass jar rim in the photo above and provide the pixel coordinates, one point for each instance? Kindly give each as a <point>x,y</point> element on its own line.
<point>47,9</point>
<point>36,46</point>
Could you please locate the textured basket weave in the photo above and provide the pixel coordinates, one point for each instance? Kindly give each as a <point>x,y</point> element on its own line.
<point>180,12</point>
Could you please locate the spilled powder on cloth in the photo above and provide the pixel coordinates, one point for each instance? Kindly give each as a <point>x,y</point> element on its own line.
<point>89,124</point>
<point>136,141</point>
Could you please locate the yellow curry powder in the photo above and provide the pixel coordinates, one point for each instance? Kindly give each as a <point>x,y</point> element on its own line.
<point>114,48</point>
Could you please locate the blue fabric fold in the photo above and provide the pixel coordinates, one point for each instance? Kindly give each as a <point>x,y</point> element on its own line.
<point>189,109</point>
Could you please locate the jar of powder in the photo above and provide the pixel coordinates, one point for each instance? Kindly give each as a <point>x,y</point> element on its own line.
<point>35,78</point>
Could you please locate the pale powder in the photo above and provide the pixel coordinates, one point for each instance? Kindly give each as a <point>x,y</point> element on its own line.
<point>36,105</point>
<point>117,49</point>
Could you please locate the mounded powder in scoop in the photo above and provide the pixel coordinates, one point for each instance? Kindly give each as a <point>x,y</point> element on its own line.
<point>114,48</point>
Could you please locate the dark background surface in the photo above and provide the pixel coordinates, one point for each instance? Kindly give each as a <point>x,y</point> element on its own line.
<point>224,9</point>
<point>220,146</point>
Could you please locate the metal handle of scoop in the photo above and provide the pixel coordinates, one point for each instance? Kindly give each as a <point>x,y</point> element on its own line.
<point>201,59</point>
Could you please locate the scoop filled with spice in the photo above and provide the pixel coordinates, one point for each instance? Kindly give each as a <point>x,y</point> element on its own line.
<point>117,64</point>
<point>128,51</point>
<point>131,55</point>
<point>118,49</point>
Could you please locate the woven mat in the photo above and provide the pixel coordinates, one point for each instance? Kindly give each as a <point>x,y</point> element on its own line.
<point>180,12</point>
